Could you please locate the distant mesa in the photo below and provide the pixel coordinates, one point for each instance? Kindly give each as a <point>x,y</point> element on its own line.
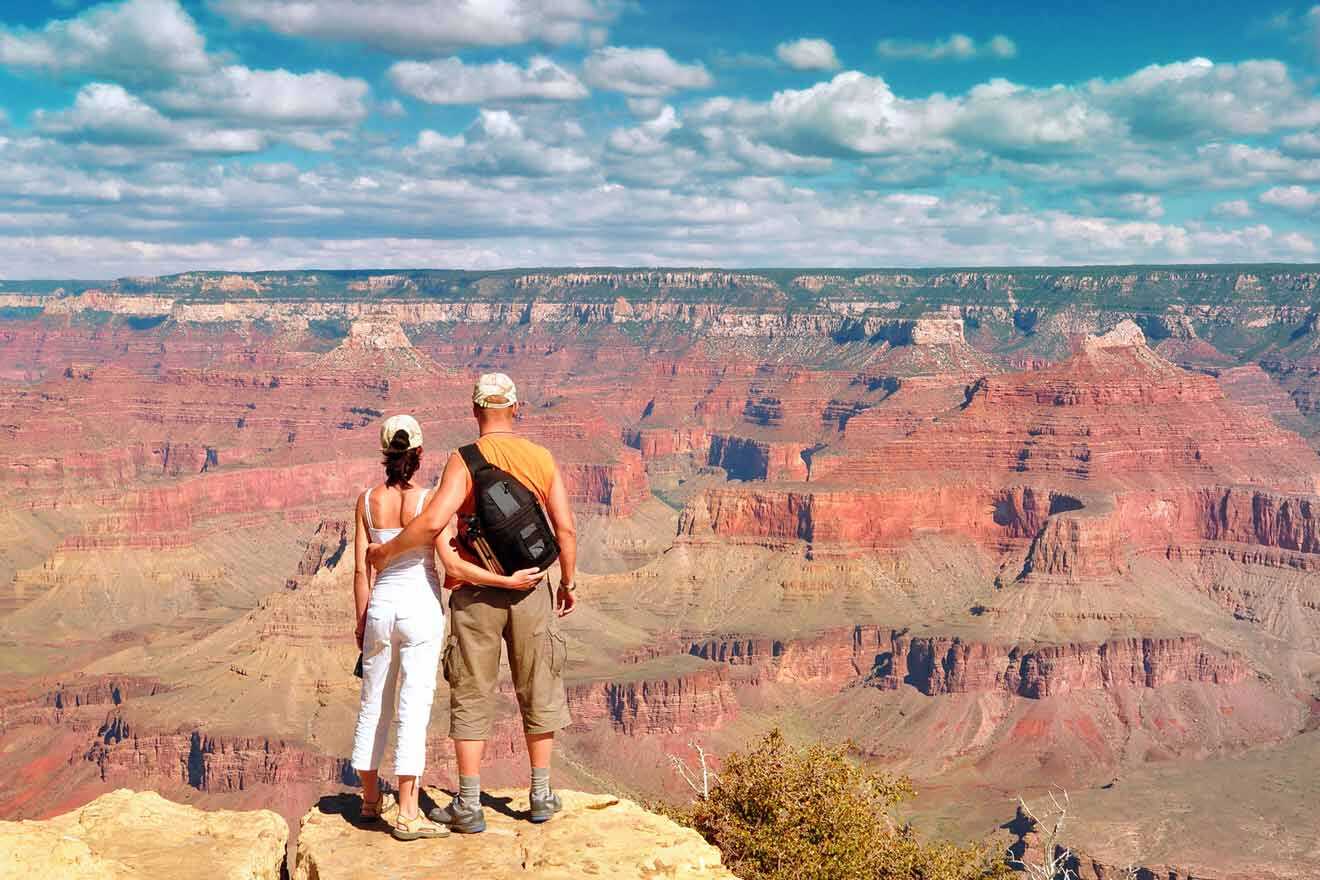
<point>1125,335</point>
<point>378,343</point>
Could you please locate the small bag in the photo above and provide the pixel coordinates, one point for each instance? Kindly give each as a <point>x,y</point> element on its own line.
<point>357,670</point>
<point>509,531</point>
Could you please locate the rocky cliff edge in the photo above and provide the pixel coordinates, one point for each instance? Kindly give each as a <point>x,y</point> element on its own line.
<point>595,836</point>
<point>141,835</point>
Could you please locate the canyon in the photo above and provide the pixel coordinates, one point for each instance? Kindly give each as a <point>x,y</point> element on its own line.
<point>1000,530</point>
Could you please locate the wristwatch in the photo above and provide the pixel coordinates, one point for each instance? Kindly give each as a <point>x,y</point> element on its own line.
<point>570,586</point>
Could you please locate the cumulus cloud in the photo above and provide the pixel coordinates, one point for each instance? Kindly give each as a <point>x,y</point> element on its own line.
<point>645,72</point>
<point>850,115</point>
<point>808,54</point>
<point>106,114</point>
<point>1297,199</point>
<point>1147,206</point>
<point>1201,98</point>
<point>450,81</point>
<point>1161,125</point>
<point>271,96</point>
<point>429,26</point>
<point>1305,143</point>
<point>134,41</point>
<point>499,144</point>
<point>645,138</point>
<point>955,47</point>
<point>156,48</point>
<point>1232,208</point>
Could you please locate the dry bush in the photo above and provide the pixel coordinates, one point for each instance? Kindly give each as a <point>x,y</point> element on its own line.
<point>779,812</point>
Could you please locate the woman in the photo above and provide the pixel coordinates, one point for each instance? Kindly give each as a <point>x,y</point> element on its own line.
<point>400,629</point>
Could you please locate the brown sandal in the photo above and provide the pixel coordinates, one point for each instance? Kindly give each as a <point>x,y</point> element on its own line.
<point>372,810</point>
<point>417,828</point>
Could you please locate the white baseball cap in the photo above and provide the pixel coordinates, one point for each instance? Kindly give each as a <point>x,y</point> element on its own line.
<point>494,391</point>
<point>395,424</point>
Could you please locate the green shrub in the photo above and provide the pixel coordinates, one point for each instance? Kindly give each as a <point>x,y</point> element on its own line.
<point>780,812</point>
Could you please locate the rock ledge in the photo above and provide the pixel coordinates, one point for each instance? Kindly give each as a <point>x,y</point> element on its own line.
<point>143,836</point>
<point>595,836</point>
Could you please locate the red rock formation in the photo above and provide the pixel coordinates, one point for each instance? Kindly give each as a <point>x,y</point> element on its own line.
<point>207,763</point>
<point>941,665</point>
<point>695,701</point>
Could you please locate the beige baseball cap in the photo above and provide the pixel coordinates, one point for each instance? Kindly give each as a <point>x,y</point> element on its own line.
<point>395,424</point>
<point>494,391</point>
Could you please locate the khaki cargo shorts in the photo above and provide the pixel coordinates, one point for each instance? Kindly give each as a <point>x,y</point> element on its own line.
<point>480,620</point>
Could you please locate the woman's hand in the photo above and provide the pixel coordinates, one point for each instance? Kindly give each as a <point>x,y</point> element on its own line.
<point>524,579</point>
<point>360,631</point>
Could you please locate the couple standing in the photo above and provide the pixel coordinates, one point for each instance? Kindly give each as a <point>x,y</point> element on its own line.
<point>401,529</point>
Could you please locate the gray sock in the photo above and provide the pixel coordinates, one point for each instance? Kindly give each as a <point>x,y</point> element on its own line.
<point>541,781</point>
<point>469,791</point>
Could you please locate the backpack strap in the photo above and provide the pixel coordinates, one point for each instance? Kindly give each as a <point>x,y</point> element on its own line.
<point>472,457</point>
<point>366,508</point>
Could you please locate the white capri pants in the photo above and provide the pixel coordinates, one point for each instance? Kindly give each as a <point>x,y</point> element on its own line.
<point>401,646</point>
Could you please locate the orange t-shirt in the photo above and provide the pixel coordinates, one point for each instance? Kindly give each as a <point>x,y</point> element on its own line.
<point>529,463</point>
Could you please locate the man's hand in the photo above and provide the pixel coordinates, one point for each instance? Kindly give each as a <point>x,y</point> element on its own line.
<point>376,556</point>
<point>565,601</point>
<point>360,631</point>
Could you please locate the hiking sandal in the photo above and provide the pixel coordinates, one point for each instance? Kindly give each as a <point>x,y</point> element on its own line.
<point>417,828</point>
<point>371,810</point>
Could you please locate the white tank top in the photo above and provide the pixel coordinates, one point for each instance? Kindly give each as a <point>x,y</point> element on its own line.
<point>409,575</point>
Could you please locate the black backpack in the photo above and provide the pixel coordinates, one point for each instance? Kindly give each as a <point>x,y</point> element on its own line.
<point>509,531</point>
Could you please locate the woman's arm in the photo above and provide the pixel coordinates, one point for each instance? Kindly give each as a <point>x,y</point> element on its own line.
<point>458,569</point>
<point>361,571</point>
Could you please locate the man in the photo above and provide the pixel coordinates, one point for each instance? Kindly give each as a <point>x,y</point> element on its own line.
<point>480,618</point>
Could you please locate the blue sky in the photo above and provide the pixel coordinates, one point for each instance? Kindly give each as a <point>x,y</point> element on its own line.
<point>150,136</point>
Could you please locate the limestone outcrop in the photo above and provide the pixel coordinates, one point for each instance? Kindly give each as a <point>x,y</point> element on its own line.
<point>595,836</point>
<point>128,834</point>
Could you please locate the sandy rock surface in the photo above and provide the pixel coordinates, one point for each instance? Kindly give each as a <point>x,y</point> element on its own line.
<point>142,835</point>
<point>595,836</point>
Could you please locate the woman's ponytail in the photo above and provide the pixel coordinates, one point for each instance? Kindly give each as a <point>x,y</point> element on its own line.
<point>400,461</point>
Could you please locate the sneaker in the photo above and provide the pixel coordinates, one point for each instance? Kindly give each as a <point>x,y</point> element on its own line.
<point>544,808</point>
<point>460,818</point>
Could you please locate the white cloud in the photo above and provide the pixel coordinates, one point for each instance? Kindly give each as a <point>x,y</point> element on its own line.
<point>955,47</point>
<point>134,41</point>
<point>808,54</point>
<point>1011,119</point>
<point>107,114</point>
<point>645,108</point>
<point>851,114</point>
<point>1000,46</point>
<point>429,26</point>
<point>646,138</point>
<point>1201,98</point>
<point>498,144</point>
<point>1299,244</point>
<point>1304,143</point>
<point>270,96</point>
<point>450,81</point>
<point>1297,199</point>
<point>1143,205</point>
<point>1232,208</point>
<point>645,72</point>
